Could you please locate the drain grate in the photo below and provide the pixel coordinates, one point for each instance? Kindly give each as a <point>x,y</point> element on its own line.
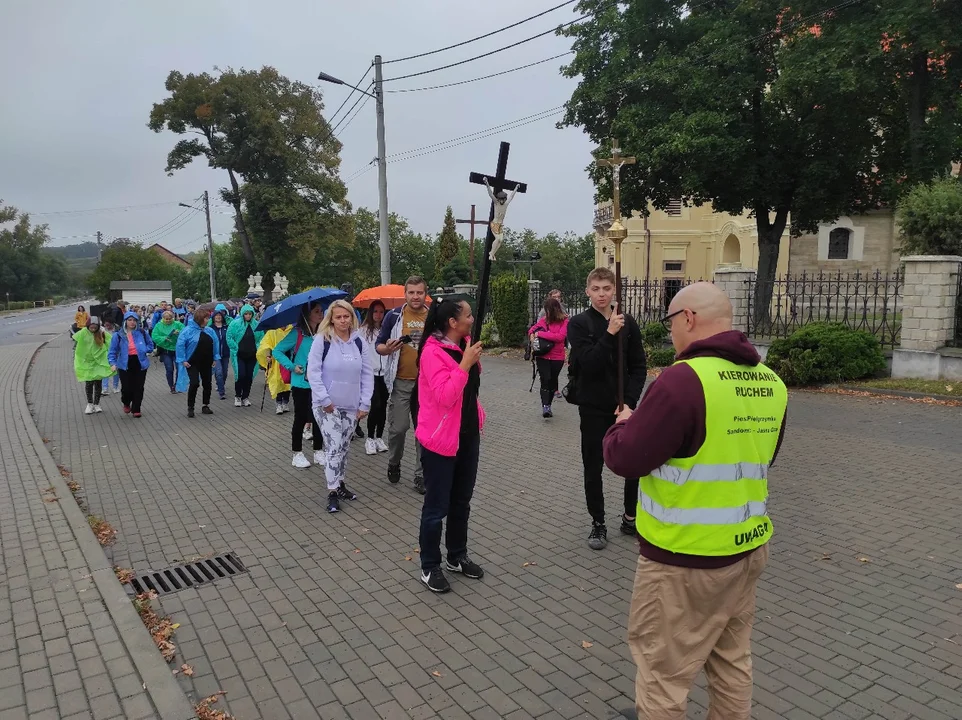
<point>181,577</point>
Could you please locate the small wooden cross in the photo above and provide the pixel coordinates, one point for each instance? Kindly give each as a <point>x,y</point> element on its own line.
<point>472,222</point>
<point>615,162</point>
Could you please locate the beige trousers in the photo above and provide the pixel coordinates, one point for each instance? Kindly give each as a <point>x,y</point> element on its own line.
<point>681,620</point>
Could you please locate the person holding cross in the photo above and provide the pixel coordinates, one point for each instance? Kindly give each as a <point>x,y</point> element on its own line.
<point>593,369</point>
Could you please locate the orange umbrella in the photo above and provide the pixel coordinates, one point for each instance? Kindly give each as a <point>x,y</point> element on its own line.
<point>391,295</point>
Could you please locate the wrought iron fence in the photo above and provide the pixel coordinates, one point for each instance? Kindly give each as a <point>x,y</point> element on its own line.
<point>862,301</point>
<point>956,340</point>
<point>645,301</point>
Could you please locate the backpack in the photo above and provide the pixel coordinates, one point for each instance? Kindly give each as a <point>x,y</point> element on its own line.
<point>327,346</point>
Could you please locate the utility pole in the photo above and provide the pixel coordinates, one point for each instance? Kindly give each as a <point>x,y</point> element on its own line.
<point>472,222</point>
<point>385,237</point>
<point>210,248</point>
<point>100,248</point>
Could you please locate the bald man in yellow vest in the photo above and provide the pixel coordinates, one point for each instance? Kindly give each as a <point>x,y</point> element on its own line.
<point>702,441</point>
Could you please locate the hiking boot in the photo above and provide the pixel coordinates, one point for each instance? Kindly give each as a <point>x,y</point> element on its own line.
<point>345,493</point>
<point>467,568</point>
<point>628,526</point>
<point>546,411</point>
<point>435,580</point>
<point>205,410</point>
<point>598,538</point>
<point>394,474</point>
<point>190,412</point>
<point>419,485</point>
<point>333,504</point>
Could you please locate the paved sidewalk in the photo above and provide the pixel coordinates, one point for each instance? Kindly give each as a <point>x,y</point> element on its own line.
<point>331,621</point>
<point>71,645</point>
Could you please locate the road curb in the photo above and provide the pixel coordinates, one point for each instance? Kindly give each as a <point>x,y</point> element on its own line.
<point>897,393</point>
<point>164,691</point>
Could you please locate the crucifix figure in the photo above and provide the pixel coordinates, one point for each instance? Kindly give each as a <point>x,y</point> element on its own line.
<point>496,184</point>
<point>499,201</point>
<point>616,234</point>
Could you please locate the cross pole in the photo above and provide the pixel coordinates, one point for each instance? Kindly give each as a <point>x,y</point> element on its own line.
<point>472,223</point>
<point>617,233</point>
<point>497,182</point>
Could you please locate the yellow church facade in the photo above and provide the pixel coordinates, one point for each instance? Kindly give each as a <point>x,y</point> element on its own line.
<point>691,242</point>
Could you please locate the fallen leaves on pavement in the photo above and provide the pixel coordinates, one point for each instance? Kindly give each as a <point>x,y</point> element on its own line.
<point>206,712</point>
<point>161,629</point>
<point>864,559</point>
<point>437,674</point>
<point>585,644</point>
<point>125,575</point>
<point>103,531</point>
<point>883,395</point>
<point>959,586</point>
<point>187,670</point>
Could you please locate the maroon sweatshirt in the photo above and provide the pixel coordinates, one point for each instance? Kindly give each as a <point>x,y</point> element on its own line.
<point>670,423</point>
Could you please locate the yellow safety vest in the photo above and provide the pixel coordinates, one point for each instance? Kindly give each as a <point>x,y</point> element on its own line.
<point>715,502</point>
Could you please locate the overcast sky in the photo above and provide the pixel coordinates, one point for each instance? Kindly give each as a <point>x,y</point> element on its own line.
<point>78,81</point>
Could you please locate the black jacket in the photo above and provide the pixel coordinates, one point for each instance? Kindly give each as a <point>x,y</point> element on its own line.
<point>593,361</point>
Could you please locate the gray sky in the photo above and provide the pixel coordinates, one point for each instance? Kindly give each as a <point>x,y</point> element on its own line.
<point>78,81</point>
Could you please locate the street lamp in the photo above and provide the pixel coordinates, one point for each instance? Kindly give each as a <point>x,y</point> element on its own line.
<point>384,241</point>
<point>530,261</point>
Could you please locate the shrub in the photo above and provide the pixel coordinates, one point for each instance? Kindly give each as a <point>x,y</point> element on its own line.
<point>654,334</point>
<point>825,352</point>
<point>660,356</point>
<point>509,299</point>
<point>930,218</point>
<point>488,334</point>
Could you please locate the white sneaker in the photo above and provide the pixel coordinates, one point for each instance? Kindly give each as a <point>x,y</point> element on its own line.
<point>97,409</point>
<point>237,402</point>
<point>319,458</point>
<point>308,433</point>
<point>279,410</point>
<point>381,445</point>
<point>105,391</point>
<point>370,447</point>
<point>287,407</point>
<point>300,461</point>
<point>246,402</point>
<point>89,410</point>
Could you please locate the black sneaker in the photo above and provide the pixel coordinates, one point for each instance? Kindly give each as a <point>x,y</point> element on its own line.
<point>598,538</point>
<point>546,412</point>
<point>345,493</point>
<point>435,580</point>
<point>190,412</point>
<point>205,410</point>
<point>419,485</point>
<point>628,526</point>
<point>466,567</point>
<point>358,432</point>
<point>394,474</point>
<point>333,504</point>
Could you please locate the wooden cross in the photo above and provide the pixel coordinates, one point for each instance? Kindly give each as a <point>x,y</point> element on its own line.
<point>617,233</point>
<point>497,182</point>
<point>472,222</point>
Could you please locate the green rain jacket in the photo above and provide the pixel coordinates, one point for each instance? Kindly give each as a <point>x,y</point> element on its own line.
<point>235,332</point>
<point>89,358</point>
<point>165,336</point>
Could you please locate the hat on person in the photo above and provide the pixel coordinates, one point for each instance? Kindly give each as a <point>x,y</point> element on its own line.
<point>94,320</point>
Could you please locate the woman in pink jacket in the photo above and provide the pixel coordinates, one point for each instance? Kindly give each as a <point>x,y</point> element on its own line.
<point>450,420</point>
<point>553,327</point>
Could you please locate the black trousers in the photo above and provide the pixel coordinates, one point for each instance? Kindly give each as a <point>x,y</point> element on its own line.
<point>132,383</point>
<point>93,388</point>
<point>245,376</point>
<point>303,414</point>
<point>549,371</point>
<point>200,371</point>
<point>449,487</point>
<point>594,425</point>
<point>378,415</point>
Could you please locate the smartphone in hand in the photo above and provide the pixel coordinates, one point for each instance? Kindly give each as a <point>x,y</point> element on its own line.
<point>405,339</point>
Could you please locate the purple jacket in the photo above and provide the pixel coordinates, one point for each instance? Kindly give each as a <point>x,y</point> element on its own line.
<point>344,378</point>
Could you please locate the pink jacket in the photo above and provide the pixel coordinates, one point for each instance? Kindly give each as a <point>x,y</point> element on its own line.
<point>556,335</point>
<point>441,383</point>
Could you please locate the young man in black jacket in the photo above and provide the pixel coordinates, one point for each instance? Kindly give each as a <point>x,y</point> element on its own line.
<point>593,336</point>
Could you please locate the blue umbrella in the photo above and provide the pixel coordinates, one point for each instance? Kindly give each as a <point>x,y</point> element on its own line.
<point>286,310</point>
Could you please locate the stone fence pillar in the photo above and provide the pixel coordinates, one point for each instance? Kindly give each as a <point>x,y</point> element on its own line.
<point>735,282</point>
<point>928,301</point>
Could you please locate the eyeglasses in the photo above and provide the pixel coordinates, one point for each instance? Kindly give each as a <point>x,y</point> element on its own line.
<point>666,321</point>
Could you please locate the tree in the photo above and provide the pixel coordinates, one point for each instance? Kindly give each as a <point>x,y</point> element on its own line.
<point>27,272</point>
<point>755,107</point>
<point>930,218</point>
<point>127,260</point>
<point>448,243</point>
<point>270,133</point>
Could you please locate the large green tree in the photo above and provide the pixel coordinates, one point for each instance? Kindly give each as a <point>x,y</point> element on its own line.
<point>127,260</point>
<point>448,243</point>
<point>786,112</point>
<point>27,272</point>
<point>270,136</point>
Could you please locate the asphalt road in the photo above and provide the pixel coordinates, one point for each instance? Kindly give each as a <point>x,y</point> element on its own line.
<point>28,325</point>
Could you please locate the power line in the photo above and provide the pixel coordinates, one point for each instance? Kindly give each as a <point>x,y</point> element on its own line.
<point>479,37</point>
<point>101,210</point>
<point>490,53</point>
<point>357,84</point>
<point>483,77</point>
<point>360,97</point>
<point>363,105</point>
